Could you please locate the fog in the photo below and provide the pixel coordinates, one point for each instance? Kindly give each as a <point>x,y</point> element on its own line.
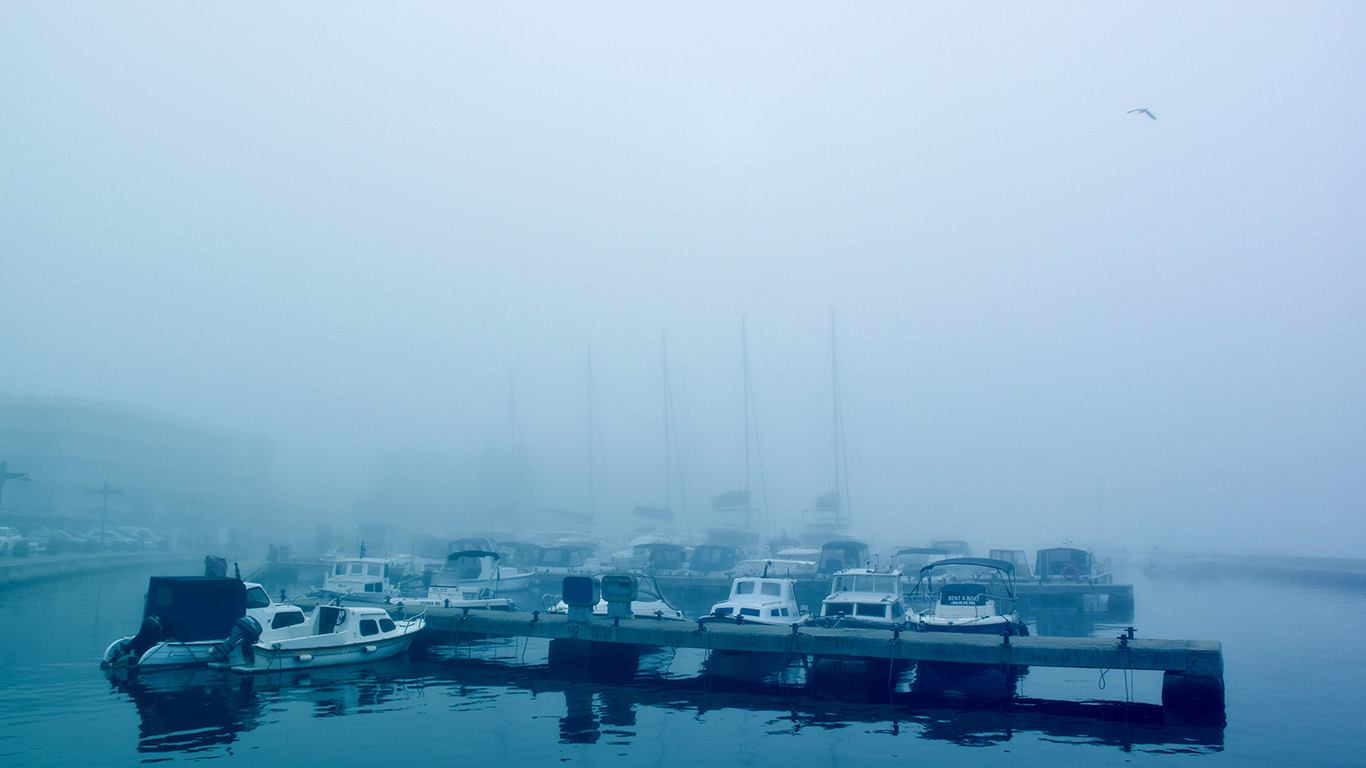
<point>386,238</point>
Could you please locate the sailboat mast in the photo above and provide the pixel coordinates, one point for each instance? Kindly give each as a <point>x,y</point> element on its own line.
<point>668,423</point>
<point>592,446</point>
<point>744,370</point>
<point>841,473</point>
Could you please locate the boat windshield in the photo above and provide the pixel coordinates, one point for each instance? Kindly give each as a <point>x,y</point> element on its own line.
<point>991,580</point>
<point>883,583</point>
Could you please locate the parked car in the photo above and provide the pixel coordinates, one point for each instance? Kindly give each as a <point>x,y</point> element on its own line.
<point>8,538</point>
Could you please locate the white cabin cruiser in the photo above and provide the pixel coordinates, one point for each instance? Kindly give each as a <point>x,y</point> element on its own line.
<point>332,635</point>
<point>863,598</point>
<point>359,579</point>
<point>967,594</point>
<point>186,617</point>
<point>759,600</point>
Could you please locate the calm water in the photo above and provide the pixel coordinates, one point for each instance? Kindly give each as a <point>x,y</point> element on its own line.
<point>1293,652</point>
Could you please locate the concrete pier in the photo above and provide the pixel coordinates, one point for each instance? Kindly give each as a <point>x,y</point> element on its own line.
<point>1193,669</point>
<point>15,570</point>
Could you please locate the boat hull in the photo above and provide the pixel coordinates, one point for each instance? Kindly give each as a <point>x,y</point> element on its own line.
<point>163,655</point>
<point>287,656</point>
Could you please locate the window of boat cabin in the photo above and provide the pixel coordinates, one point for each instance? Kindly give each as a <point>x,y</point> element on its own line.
<point>339,570</point>
<point>257,597</point>
<point>387,625</point>
<point>369,627</point>
<point>372,569</point>
<point>772,588</point>
<point>357,569</point>
<point>749,612</point>
<point>744,588</point>
<point>287,619</point>
<point>870,609</point>
<point>836,609</point>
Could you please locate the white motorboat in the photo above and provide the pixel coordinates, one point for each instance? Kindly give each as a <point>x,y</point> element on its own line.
<point>479,569</point>
<point>186,617</point>
<point>967,594</point>
<point>569,559</point>
<point>359,579</point>
<point>760,600</point>
<point>863,598</point>
<point>332,635</point>
<point>650,603</point>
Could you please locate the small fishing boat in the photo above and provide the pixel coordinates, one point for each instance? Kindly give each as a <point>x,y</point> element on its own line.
<point>759,600</point>
<point>863,598</point>
<point>186,617</point>
<point>967,594</point>
<point>332,635</point>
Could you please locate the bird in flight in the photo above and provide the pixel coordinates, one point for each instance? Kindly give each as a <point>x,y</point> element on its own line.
<point>1144,111</point>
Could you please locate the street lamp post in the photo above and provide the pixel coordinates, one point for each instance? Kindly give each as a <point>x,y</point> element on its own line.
<point>104,491</point>
<point>5,474</point>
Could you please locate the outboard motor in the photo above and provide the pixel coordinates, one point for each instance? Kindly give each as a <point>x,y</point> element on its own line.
<point>245,632</point>
<point>130,650</point>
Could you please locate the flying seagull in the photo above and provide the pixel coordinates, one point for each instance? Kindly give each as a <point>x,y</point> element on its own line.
<point>1143,110</point>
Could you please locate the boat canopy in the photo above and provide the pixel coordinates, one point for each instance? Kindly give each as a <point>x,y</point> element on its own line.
<point>978,562</point>
<point>193,608</point>
<point>472,553</point>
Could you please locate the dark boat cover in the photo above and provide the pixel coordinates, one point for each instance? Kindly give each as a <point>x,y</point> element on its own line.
<point>195,607</point>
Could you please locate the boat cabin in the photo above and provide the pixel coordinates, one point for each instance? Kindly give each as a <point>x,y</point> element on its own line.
<point>865,597</point>
<point>841,554</point>
<point>1066,564</point>
<point>358,575</point>
<point>1017,558</point>
<point>912,559</point>
<point>714,558</point>
<point>657,557</point>
<point>761,600</point>
<point>955,547</point>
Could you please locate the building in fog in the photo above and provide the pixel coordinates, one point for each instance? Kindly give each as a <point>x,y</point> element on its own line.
<point>169,473</point>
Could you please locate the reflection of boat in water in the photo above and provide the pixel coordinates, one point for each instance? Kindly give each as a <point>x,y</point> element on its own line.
<point>863,598</point>
<point>186,617</point>
<point>332,635</point>
<point>967,595</point>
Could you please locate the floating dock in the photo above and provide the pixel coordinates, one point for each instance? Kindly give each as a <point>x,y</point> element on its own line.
<point>1193,670</point>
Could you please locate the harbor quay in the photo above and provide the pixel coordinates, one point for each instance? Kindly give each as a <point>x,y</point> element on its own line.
<point>1192,670</point>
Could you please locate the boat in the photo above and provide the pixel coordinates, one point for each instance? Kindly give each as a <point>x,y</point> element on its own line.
<point>955,547</point>
<point>1016,557</point>
<point>759,600</point>
<point>569,559</point>
<point>358,579</point>
<point>650,602</point>
<point>479,569</point>
<point>912,559</point>
<point>331,636</point>
<point>1069,564</point>
<point>966,594</point>
<point>840,555</point>
<point>186,617</point>
<point>710,560</point>
<point>863,598</point>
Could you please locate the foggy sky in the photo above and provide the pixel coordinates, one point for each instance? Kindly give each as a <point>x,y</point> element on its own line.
<point>349,226</point>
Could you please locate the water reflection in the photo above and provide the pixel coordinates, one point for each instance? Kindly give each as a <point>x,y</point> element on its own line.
<point>197,710</point>
<point>189,710</point>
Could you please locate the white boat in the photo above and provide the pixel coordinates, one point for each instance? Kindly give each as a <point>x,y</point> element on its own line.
<point>759,600</point>
<point>359,579</point>
<point>650,603</point>
<point>569,559</point>
<point>332,635</point>
<point>863,598</point>
<point>479,569</point>
<point>457,596</point>
<point>186,617</point>
<point>967,594</point>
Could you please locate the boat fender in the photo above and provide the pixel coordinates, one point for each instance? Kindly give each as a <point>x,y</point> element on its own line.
<point>245,632</point>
